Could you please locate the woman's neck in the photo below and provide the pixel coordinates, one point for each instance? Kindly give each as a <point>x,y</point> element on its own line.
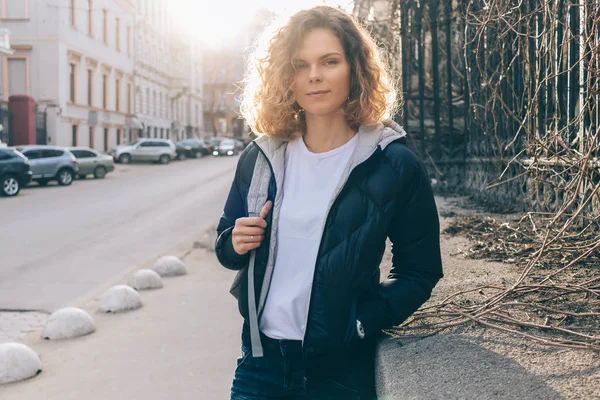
<point>326,133</point>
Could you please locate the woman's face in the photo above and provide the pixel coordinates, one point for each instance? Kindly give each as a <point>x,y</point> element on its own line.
<point>322,80</point>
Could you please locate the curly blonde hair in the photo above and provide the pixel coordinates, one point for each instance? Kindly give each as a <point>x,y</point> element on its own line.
<point>267,101</point>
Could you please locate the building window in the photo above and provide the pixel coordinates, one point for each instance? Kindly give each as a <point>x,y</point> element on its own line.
<point>15,9</point>
<point>118,33</point>
<point>18,76</point>
<point>72,81</point>
<point>162,132</point>
<point>91,18</point>
<point>105,91</point>
<point>105,26</point>
<point>156,132</point>
<point>117,94</point>
<point>90,87</point>
<point>128,41</point>
<point>91,137</point>
<point>129,98</point>
<point>72,13</point>
<point>74,129</point>
<point>154,108</point>
<point>118,137</point>
<point>106,140</point>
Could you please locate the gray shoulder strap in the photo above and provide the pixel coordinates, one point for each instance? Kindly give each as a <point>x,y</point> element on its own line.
<point>257,197</point>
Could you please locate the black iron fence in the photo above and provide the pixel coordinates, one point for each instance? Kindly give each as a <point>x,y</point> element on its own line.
<point>503,91</point>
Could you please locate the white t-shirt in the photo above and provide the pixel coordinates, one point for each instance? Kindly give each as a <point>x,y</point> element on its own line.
<point>309,182</point>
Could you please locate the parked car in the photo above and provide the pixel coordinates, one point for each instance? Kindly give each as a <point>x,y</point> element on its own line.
<point>159,150</point>
<point>183,151</point>
<point>51,163</point>
<point>225,147</point>
<point>92,162</point>
<point>15,171</point>
<point>199,147</point>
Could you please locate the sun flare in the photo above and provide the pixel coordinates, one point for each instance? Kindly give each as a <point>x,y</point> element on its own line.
<point>218,24</point>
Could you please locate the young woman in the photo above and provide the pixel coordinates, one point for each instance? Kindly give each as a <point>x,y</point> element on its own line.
<point>312,203</point>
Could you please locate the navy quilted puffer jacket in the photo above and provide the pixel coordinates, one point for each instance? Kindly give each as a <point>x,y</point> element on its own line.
<point>385,193</point>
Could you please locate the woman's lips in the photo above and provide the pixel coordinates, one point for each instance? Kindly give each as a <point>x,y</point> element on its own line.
<point>317,94</point>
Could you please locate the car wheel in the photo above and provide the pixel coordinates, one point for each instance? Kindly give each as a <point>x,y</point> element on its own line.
<point>164,159</point>
<point>65,177</point>
<point>10,186</point>
<point>180,157</point>
<point>99,172</point>
<point>125,158</point>
<point>198,154</point>
<point>42,182</point>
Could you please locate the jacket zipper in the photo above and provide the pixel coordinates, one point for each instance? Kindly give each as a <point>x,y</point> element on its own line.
<point>335,198</point>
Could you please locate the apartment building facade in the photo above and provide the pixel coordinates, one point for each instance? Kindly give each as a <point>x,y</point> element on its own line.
<point>223,71</point>
<point>75,58</point>
<point>168,75</point>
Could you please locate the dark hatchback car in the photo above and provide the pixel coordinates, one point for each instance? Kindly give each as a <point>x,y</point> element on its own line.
<point>195,148</point>
<point>183,151</point>
<point>15,171</point>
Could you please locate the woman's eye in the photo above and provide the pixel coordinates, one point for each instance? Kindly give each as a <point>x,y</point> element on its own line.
<point>331,62</point>
<point>299,66</point>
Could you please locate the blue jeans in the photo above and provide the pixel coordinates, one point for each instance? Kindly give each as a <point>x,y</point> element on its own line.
<point>280,375</point>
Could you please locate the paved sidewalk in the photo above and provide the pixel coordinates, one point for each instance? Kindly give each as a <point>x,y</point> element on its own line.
<point>14,325</point>
<point>182,344</point>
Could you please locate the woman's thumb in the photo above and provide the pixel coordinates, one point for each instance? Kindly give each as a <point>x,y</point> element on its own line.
<point>266,209</point>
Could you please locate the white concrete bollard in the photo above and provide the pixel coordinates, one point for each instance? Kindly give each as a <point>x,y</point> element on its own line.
<point>68,323</point>
<point>169,266</point>
<point>120,298</point>
<point>18,362</point>
<point>145,279</point>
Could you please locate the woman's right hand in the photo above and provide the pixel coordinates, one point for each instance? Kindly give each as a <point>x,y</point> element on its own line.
<point>249,232</point>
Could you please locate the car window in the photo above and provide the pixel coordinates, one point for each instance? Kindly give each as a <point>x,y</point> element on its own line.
<point>164,144</point>
<point>32,154</point>
<point>146,144</point>
<point>51,153</point>
<point>83,153</point>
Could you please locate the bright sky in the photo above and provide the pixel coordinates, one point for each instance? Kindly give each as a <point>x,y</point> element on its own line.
<point>216,22</point>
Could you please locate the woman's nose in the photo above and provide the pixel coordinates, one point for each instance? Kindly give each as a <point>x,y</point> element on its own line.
<point>315,75</point>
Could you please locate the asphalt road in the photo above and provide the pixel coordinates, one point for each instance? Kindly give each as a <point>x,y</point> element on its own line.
<point>59,243</point>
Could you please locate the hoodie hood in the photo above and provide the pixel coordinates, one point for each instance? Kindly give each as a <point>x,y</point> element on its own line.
<point>370,136</point>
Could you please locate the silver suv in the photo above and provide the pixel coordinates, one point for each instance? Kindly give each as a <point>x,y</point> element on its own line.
<point>159,150</point>
<point>51,163</point>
